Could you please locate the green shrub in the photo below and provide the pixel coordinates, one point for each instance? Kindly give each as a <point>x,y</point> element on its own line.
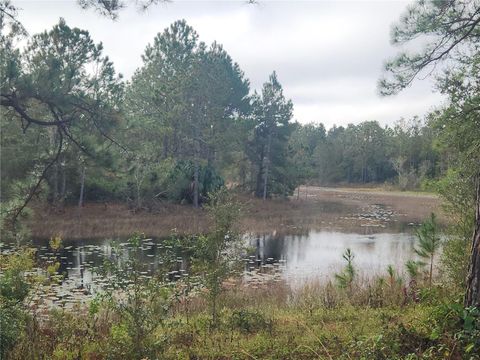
<point>249,321</point>
<point>179,181</point>
<point>14,288</point>
<point>454,262</point>
<point>141,302</point>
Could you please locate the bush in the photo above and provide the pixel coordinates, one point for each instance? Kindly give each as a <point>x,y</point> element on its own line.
<point>454,262</point>
<point>141,302</point>
<point>14,288</point>
<point>179,181</point>
<point>249,321</point>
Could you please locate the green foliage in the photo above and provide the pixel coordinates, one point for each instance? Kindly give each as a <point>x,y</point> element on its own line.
<point>446,27</point>
<point>20,231</point>
<point>265,324</point>
<point>450,51</point>
<point>249,321</point>
<point>428,238</point>
<point>14,288</point>
<point>268,144</point>
<point>429,242</point>
<point>184,151</point>
<point>100,186</point>
<point>408,332</point>
<point>393,278</point>
<point>141,301</point>
<point>191,99</point>
<point>460,323</point>
<point>217,254</point>
<point>454,261</point>
<point>347,276</point>
<point>412,268</point>
<point>470,334</point>
<point>458,192</point>
<point>403,153</point>
<point>179,181</point>
<point>50,91</point>
<point>12,322</point>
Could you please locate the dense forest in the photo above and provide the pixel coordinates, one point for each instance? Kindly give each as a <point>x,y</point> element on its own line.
<point>188,129</point>
<point>185,124</point>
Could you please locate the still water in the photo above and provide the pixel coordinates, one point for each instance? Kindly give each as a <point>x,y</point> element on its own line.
<point>318,254</point>
<point>296,258</point>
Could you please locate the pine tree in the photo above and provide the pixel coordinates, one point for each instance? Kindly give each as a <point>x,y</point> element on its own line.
<point>429,242</point>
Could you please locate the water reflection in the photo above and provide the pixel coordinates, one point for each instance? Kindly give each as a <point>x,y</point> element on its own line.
<point>296,257</point>
<point>318,254</point>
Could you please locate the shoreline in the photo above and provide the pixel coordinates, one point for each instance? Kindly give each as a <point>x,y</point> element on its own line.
<point>324,208</point>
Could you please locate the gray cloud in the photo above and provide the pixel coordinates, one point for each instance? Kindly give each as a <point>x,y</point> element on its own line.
<point>328,55</point>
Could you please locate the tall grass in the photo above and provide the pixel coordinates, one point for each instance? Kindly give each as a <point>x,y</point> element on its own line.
<point>375,319</point>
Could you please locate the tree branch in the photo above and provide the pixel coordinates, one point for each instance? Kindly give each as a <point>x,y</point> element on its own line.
<point>34,190</point>
<point>12,102</point>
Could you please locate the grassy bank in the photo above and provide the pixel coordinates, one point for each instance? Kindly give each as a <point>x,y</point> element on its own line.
<point>271,322</point>
<point>214,313</point>
<point>208,310</point>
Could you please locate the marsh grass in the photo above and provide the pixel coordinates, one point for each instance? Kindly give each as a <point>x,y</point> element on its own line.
<point>324,208</point>
<point>95,221</point>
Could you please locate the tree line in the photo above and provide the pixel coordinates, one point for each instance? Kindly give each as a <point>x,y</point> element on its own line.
<point>186,123</point>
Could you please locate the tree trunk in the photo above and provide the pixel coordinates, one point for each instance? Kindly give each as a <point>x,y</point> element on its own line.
<point>165,146</point>
<point>267,163</point>
<point>196,167</point>
<point>259,180</point>
<point>431,270</point>
<point>195,182</point>
<point>472,296</point>
<point>82,187</point>
<point>63,189</point>
<point>55,184</point>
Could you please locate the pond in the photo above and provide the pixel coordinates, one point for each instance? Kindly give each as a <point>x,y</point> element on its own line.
<point>293,258</point>
<point>317,255</point>
<point>307,246</point>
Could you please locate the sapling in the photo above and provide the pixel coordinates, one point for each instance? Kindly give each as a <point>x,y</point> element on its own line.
<point>140,299</point>
<point>412,269</point>
<point>429,242</point>
<point>218,253</point>
<point>346,277</point>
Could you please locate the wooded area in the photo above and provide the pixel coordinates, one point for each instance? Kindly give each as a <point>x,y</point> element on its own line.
<point>184,125</point>
<point>187,122</point>
<point>187,128</point>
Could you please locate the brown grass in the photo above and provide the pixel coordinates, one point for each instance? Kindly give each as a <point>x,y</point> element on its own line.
<point>116,221</point>
<point>316,208</point>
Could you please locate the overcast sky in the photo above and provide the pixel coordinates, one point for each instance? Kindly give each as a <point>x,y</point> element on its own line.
<point>328,55</point>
